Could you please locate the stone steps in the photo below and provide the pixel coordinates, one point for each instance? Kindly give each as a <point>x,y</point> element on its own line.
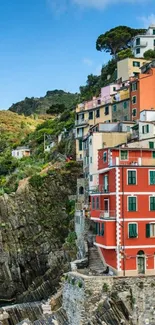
<point>95,263</point>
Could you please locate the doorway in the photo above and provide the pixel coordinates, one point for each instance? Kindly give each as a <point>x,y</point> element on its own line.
<point>141,262</point>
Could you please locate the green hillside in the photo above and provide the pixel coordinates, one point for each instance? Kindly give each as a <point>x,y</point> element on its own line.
<point>40,105</point>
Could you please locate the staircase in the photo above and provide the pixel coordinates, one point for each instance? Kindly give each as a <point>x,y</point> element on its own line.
<point>95,263</point>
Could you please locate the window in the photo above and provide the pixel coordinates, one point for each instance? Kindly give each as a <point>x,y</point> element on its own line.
<point>131,177</point>
<point>154,42</point>
<point>91,160</point>
<point>81,190</point>
<point>153,31</point>
<point>106,110</point>
<point>105,180</point>
<point>150,230</point>
<point>99,101</point>
<point>90,115</point>
<point>136,63</point>
<point>152,203</point>
<point>132,203</point>
<point>134,99</point>
<point>152,177</point>
<point>105,156</point>
<point>97,203</point>
<point>81,157</point>
<point>138,41</point>
<point>151,145</point>
<point>91,178</point>
<point>102,229</point>
<point>93,203</point>
<point>98,113</point>
<point>153,154</point>
<point>80,144</point>
<point>114,88</point>
<point>138,50</point>
<point>132,230</point>
<point>114,108</point>
<point>125,118</point>
<point>134,112</point>
<point>128,128</point>
<point>135,74</point>
<point>145,129</point>
<point>134,86</point>
<point>125,105</point>
<point>124,154</point>
<point>99,229</point>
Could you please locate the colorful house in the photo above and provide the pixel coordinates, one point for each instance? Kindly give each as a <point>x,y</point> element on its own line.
<point>123,209</point>
<point>142,91</point>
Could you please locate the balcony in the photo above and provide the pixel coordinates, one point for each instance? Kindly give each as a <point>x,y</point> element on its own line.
<point>110,214</point>
<point>134,161</point>
<point>135,134</point>
<point>141,44</point>
<point>81,122</point>
<point>98,189</point>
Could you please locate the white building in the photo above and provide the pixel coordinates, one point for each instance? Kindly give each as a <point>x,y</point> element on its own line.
<point>143,43</point>
<point>21,152</point>
<point>49,146</point>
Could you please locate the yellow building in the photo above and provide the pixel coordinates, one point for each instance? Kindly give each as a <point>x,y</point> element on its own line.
<point>87,115</point>
<point>129,67</point>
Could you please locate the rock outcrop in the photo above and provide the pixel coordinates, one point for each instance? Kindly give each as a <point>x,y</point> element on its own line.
<point>33,226</point>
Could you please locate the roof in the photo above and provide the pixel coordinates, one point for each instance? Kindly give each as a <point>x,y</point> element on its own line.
<point>22,148</point>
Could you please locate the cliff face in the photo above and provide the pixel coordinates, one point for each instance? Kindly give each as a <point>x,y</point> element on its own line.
<point>33,226</point>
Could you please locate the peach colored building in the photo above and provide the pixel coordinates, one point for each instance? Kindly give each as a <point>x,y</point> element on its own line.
<point>142,91</point>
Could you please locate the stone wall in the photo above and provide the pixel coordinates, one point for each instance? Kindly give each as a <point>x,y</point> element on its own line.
<point>109,300</point>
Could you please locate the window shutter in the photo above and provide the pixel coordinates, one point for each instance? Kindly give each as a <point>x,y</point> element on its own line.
<point>129,177</point>
<point>151,145</point>
<point>147,230</point>
<point>134,226</point>
<point>102,230</point>
<point>143,129</point>
<point>147,128</point>
<point>130,231</point>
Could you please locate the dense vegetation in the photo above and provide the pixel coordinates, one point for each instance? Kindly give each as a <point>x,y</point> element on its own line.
<point>117,42</point>
<point>40,105</point>
<point>13,170</point>
<point>117,39</point>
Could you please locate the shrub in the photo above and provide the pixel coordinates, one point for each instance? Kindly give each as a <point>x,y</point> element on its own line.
<point>36,181</point>
<point>105,287</point>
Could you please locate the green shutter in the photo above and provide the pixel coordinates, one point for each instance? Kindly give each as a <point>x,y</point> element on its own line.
<point>151,145</point>
<point>147,128</point>
<point>153,154</point>
<point>102,230</point>
<point>152,203</point>
<point>152,177</point>
<point>131,177</point>
<point>132,203</point>
<point>80,144</point>
<point>147,230</point>
<point>133,230</point>
<point>143,129</point>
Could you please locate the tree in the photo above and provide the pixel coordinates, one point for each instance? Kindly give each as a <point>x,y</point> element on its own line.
<point>117,39</point>
<point>149,54</point>
<point>125,54</point>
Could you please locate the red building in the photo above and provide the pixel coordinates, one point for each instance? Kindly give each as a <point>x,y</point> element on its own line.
<point>123,209</point>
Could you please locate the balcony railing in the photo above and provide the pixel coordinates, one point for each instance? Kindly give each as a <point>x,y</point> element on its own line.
<point>98,189</point>
<point>107,214</point>
<point>81,122</point>
<point>134,161</point>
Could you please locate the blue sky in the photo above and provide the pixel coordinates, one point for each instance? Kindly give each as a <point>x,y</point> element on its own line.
<point>50,44</point>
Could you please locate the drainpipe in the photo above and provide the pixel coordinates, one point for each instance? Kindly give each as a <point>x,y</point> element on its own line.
<point>123,226</point>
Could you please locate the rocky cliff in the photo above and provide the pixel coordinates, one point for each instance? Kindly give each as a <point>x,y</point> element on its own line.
<point>33,225</point>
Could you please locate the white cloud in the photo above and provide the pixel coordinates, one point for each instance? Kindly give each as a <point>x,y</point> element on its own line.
<point>58,6</point>
<point>101,4</point>
<point>148,20</point>
<point>88,62</point>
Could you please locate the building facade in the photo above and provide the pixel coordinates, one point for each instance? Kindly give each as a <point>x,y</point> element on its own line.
<point>123,209</point>
<point>129,67</point>
<point>142,92</point>
<point>143,43</point>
